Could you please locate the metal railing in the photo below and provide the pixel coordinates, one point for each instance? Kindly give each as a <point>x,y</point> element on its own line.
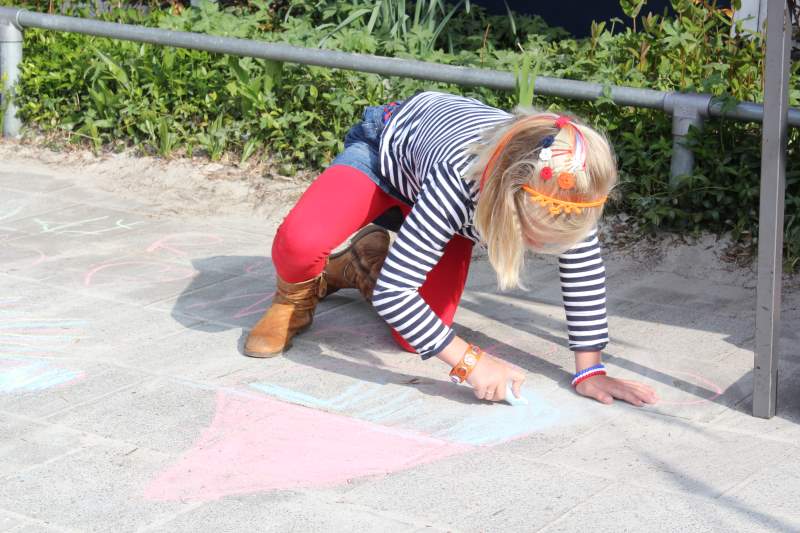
<point>687,109</point>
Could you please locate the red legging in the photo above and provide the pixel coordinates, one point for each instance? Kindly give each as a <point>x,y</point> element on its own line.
<point>341,201</point>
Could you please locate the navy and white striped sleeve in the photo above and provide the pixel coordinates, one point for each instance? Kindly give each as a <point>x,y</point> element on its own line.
<point>583,290</point>
<point>440,210</point>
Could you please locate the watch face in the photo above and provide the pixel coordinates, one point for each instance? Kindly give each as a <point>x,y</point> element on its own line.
<point>470,360</point>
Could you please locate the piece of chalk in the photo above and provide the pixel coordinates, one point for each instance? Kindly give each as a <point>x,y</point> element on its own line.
<point>513,400</point>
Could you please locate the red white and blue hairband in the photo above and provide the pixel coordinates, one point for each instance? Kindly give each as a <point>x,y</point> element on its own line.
<point>586,373</point>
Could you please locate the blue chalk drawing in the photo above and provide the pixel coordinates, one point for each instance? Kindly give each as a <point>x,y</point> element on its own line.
<point>20,375</point>
<point>467,423</point>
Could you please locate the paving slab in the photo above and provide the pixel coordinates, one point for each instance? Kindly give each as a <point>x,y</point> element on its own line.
<point>200,357</point>
<point>9,522</point>
<point>38,319</point>
<point>25,443</point>
<point>625,508</point>
<point>18,205</point>
<point>161,415</point>
<point>785,426</point>
<point>39,387</point>
<point>505,492</point>
<point>282,511</point>
<point>97,488</point>
<point>647,449</point>
<point>769,492</point>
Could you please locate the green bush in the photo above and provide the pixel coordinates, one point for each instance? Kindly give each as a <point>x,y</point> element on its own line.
<point>166,101</point>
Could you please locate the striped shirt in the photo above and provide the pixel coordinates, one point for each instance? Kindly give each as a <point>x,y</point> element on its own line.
<point>423,155</point>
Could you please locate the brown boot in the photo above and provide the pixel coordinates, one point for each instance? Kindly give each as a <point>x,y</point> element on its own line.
<point>292,311</point>
<point>358,265</point>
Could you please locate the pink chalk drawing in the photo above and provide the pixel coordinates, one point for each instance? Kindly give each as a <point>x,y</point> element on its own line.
<point>37,256</point>
<point>257,444</point>
<point>258,305</point>
<point>258,268</point>
<point>35,335</point>
<point>176,242</point>
<point>149,272</point>
<point>715,389</point>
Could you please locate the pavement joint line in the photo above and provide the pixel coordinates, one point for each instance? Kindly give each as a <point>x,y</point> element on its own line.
<point>31,520</point>
<point>46,462</point>
<point>612,300</point>
<point>404,518</point>
<point>78,292</point>
<point>43,213</point>
<point>159,524</point>
<point>634,483</point>
<point>577,505</point>
<point>96,439</point>
<point>747,479</point>
<point>144,379</point>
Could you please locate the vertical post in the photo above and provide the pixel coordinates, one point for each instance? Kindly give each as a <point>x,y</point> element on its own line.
<point>770,218</point>
<point>753,13</point>
<point>688,111</point>
<point>10,58</point>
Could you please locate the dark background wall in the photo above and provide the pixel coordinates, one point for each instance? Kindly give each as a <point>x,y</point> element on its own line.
<point>575,16</point>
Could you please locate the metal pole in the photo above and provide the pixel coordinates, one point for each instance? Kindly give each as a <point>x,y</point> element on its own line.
<point>10,58</point>
<point>688,111</point>
<point>773,192</point>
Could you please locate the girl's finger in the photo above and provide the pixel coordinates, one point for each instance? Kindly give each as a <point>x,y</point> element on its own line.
<point>480,392</point>
<point>490,392</point>
<point>642,392</point>
<point>518,378</point>
<point>602,396</point>
<point>595,392</point>
<point>499,393</point>
<point>641,387</point>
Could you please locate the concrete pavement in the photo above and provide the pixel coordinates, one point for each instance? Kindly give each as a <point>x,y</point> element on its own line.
<point>126,404</point>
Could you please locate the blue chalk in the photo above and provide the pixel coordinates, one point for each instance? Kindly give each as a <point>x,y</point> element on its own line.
<point>513,400</point>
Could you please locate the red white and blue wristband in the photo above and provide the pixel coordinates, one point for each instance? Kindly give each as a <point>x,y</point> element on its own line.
<point>586,373</point>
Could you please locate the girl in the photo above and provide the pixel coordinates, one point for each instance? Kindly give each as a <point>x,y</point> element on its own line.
<point>455,172</point>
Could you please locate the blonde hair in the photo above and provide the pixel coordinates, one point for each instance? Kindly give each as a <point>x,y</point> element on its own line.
<point>508,218</point>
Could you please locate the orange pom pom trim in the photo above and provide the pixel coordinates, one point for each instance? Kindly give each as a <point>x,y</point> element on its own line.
<point>557,206</point>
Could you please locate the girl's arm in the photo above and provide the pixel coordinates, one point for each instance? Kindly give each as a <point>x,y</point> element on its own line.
<point>439,212</point>
<point>583,289</point>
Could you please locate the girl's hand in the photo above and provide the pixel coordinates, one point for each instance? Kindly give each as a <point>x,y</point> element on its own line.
<point>605,389</point>
<point>490,377</point>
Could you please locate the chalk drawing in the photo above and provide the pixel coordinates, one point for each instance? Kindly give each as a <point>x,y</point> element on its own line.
<point>713,388</point>
<point>176,242</point>
<point>258,305</point>
<point>37,256</point>
<point>22,333</point>
<point>24,375</point>
<point>467,422</point>
<point>64,228</point>
<point>259,268</point>
<point>11,212</point>
<point>256,444</point>
<point>148,272</point>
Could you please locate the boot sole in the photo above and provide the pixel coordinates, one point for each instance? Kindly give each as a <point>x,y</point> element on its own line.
<point>270,355</point>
